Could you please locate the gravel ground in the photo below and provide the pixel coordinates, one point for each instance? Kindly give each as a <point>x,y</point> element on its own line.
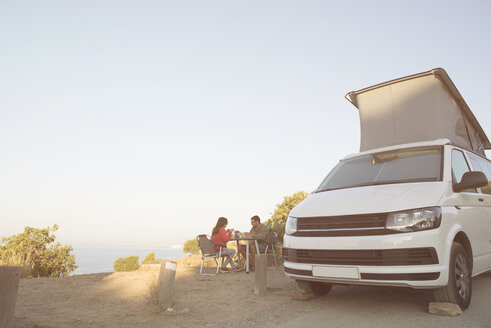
<point>366,306</point>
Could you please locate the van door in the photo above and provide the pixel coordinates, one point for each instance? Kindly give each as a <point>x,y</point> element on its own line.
<point>471,213</point>
<point>484,198</point>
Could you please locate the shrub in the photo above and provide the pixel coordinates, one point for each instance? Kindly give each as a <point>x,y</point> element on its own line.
<point>125,264</point>
<point>277,221</point>
<point>35,251</point>
<point>150,259</point>
<point>191,246</point>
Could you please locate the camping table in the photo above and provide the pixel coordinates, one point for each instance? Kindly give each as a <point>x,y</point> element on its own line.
<point>248,239</point>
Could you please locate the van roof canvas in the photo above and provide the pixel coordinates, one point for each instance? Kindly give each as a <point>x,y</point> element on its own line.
<point>419,107</point>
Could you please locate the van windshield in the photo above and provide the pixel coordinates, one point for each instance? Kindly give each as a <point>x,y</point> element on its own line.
<point>397,166</point>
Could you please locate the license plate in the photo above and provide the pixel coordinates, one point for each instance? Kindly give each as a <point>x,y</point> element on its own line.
<point>336,272</point>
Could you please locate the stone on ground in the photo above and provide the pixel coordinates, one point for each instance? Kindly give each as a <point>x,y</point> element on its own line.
<point>296,295</point>
<point>448,309</point>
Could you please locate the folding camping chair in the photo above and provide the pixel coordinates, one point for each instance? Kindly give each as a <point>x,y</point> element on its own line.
<point>208,251</point>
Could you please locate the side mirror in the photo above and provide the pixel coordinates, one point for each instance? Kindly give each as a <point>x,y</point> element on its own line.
<point>470,180</point>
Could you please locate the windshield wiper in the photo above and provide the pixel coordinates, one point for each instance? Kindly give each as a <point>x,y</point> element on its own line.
<point>377,183</point>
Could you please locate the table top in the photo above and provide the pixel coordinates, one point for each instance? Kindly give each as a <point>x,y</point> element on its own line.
<point>244,238</point>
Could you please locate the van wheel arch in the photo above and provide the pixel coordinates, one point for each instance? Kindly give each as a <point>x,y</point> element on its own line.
<point>463,240</point>
<point>459,287</point>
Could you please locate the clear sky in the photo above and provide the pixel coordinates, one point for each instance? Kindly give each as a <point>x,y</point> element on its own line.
<point>139,123</point>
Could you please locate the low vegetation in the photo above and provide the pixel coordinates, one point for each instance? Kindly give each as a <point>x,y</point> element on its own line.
<point>153,296</point>
<point>191,246</point>
<point>125,264</point>
<point>150,259</point>
<point>278,219</point>
<point>37,253</point>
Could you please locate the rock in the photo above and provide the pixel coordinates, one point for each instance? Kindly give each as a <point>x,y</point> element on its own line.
<point>296,295</point>
<point>178,311</point>
<point>448,309</point>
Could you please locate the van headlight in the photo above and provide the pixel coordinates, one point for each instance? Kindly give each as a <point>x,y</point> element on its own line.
<point>414,220</point>
<point>291,225</point>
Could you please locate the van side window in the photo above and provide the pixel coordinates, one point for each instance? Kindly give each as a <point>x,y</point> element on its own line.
<point>459,167</point>
<point>479,164</point>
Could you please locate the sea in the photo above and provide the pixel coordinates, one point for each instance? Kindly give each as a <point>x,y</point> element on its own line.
<point>97,260</point>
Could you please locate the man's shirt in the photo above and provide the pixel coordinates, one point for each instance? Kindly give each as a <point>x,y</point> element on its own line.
<point>260,233</point>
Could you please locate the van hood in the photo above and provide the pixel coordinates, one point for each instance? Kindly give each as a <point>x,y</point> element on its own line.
<point>371,199</point>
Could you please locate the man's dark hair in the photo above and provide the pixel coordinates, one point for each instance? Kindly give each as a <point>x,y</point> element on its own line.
<point>256,218</point>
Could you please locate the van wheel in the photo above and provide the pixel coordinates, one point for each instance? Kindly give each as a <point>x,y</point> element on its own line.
<point>320,288</point>
<point>316,287</point>
<point>459,287</point>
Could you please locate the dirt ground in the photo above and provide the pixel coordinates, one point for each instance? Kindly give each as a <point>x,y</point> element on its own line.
<point>227,300</point>
<point>121,300</point>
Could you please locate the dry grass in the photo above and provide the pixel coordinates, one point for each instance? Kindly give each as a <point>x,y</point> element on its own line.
<point>153,297</point>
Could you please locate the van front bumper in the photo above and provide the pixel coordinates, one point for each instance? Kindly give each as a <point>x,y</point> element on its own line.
<point>408,276</point>
<point>391,260</point>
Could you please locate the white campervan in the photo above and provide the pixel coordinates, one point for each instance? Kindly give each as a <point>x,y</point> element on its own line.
<point>412,209</point>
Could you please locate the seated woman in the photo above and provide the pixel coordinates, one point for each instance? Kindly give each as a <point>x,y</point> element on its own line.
<point>221,237</point>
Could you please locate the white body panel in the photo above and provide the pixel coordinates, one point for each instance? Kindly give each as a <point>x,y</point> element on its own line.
<point>371,199</point>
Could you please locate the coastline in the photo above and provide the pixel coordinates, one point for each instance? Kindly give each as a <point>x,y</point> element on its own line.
<point>101,259</point>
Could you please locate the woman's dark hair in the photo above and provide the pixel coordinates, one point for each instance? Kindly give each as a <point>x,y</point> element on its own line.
<point>256,218</point>
<point>220,223</point>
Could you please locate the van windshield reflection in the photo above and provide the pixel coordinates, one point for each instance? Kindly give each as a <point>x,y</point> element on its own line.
<point>398,166</point>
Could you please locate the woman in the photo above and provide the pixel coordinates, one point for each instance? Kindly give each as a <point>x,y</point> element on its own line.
<point>221,237</point>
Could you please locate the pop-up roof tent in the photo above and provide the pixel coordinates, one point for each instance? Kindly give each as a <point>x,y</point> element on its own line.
<point>420,107</point>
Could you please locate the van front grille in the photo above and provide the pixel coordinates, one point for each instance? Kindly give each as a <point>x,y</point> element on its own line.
<point>346,225</point>
<point>402,256</point>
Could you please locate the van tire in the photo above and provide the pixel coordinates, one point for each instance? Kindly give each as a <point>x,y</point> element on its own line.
<point>459,287</point>
<point>320,288</point>
<point>315,287</point>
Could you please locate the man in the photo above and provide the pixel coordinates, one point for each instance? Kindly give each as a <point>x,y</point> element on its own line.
<point>259,231</point>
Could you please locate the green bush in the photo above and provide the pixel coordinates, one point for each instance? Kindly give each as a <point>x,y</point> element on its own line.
<point>125,264</point>
<point>277,221</point>
<point>150,259</point>
<point>37,253</point>
<point>191,246</point>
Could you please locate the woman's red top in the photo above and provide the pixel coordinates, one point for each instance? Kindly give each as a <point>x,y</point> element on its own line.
<point>221,238</point>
